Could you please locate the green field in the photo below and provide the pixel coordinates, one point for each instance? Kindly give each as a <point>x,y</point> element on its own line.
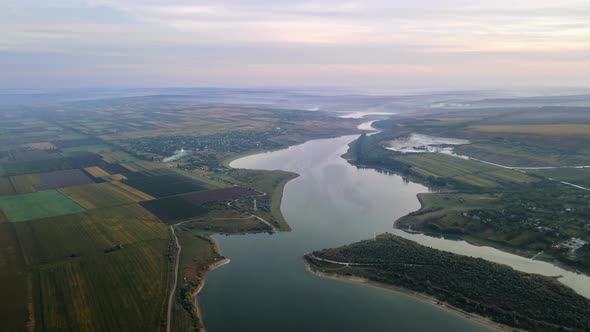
<point>546,129</point>
<point>90,269</point>
<point>579,176</point>
<point>442,213</point>
<point>524,222</point>
<point>37,205</point>
<point>511,154</point>
<point>469,172</point>
<point>106,292</point>
<point>265,181</point>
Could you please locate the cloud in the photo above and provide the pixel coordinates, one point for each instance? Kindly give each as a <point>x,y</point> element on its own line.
<point>328,40</point>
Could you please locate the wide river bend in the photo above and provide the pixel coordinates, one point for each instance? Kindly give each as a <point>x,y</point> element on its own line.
<point>267,288</point>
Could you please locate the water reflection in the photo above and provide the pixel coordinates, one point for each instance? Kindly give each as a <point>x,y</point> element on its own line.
<point>266,287</point>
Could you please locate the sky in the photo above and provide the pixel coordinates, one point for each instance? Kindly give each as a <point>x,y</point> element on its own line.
<point>268,43</point>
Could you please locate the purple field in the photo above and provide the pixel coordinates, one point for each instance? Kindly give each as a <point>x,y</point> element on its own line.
<point>62,179</point>
<point>217,195</point>
<point>173,209</point>
<point>115,169</point>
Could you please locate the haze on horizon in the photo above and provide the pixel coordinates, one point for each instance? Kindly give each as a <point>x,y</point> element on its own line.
<point>379,43</point>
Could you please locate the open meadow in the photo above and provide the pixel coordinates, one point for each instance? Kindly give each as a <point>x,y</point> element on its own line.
<point>37,205</point>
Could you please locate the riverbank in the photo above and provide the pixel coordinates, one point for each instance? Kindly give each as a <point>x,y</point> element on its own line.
<point>316,205</point>
<point>202,281</point>
<point>415,295</point>
<point>277,196</point>
<point>527,218</point>
<point>226,161</point>
<point>480,242</point>
<point>276,199</point>
<point>277,193</point>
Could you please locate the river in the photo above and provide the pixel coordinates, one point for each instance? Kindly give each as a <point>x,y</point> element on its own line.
<point>267,288</point>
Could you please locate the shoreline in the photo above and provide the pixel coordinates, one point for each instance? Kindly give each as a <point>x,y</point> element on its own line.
<point>229,159</point>
<point>277,195</point>
<point>277,200</point>
<point>280,189</point>
<point>415,295</point>
<point>484,243</point>
<point>210,268</point>
<point>478,242</point>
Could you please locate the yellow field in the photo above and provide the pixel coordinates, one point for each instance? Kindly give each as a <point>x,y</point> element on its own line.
<point>557,129</point>
<point>129,167</point>
<point>132,192</point>
<point>97,171</point>
<point>114,193</point>
<point>42,146</point>
<point>116,177</point>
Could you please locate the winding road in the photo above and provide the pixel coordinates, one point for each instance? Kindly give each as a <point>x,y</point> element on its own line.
<point>173,291</point>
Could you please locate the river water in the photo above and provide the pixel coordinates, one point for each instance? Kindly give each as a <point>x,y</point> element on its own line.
<point>267,288</point>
